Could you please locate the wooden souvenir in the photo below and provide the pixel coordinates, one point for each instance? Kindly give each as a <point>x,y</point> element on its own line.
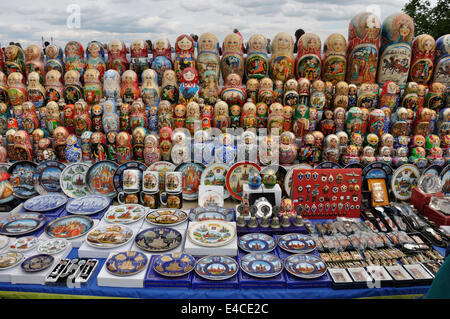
<point>86,148</point>
<point>152,153</point>
<point>110,117</point>
<point>184,55</point>
<point>130,87</point>
<point>97,118</point>
<point>257,62</point>
<point>209,91</point>
<point>54,59</point>
<point>221,117</point>
<point>442,60</point>
<point>95,57</point>
<point>81,119</point>
<point>3,88</point>
<point>162,57</point>
<point>34,61</point>
<point>14,60</point>
<point>421,94</point>
<point>9,136</point>
<point>169,87</point>
<point>423,47</point>
<point>418,157</point>
<point>193,117</point>
<point>341,95</point>
<point>334,62</point>
<point>149,89</point>
<point>93,90</point>
<point>18,113</point>
<point>17,92</point>
<point>376,122</point>
<point>252,87</point>
<point>179,116</point>
<point>36,136</point>
<point>275,120</point>
<point>301,120</point>
<point>278,91</point>
<point>389,96</point>
<point>249,117</point>
<point>291,96</point>
<point>354,120</point>
<point>368,155</point>
<point>233,92</point>
<point>318,99</point>
<point>138,116</point>
<point>288,148</point>
<point>60,135</point>
<point>421,125</point>
<point>282,63</point>
<point>304,88</point>
<point>74,53</point>
<point>288,114</point>
<point>3,151</point>
<point>307,152</point>
<point>117,56</point>
<point>365,96</point>
<point>98,147</point>
<point>53,117</point>
<point>138,136</point>
<point>207,115</point>
<point>435,98</point>
<point>352,95</point>
<point>267,152</point>
<point>208,58</point>
<point>54,87</point>
<point>165,142</point>
<point>124,147</point>
<point>111,154</point>
<point>410,97</point>
<point>232,56</point>
<point>73,90</point>
<point>111,85</point>
<point>152,118</point>
<point>327,125</point>
<point>308,63</point>
<point>139,58</point>
<point>45,151</point>
<point>262,111</point>
<point>30,119</point>
<point>265,93</point>
<point>362,50</point>
<point>189,88</point>
<point>23,150</point>
<point>35,90</point>
<point>165,114</point>
<point>73,150</point>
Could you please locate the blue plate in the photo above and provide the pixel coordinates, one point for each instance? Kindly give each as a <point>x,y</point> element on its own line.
<point>88,205</point>
<point>174,264</point>
<point>256,242</point>
<point>127,263</point>
<point>158,239</point>
<point>37,263</point>
<point>297,243</point>
<point>305,266</point>
<point>46,177</point>
<point>45,203</point>
<point>216,267</point>
<point>20,227</point>
<point>261,265</point>
<point>21,177</point>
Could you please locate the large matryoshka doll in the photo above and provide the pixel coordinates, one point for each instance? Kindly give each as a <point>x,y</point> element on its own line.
<point>233,92</point>
<point>130,87</point>
<point>362,50</point>
<point>189,88</point>
<point>423,47</point>
<point>35,90</point>
<point>152,153</point>
<point>81,120</point>
<point>232,56</point>
<point>162,57</point>
<point>435,98</point>
<point>208,58</point>
<point>110,116</point>
<point>421,125</point>
<point>282,63</point>
<point>139,57</point>
<point>17,91</point>
<point>111,84</point>
<point>442,60</point>
<point>117,56</point>
<point>124,110</point>
<point>354,120</point>
<point>165,114</point>
<point>278,91</point>
<point>54,87</point>
<point>23,149</point>
<point>334,62</point>
<point>308,63</point>
<point>301,120</point>
<point>93,91</point>
<point>397,34</point>
<point>389,96</point>
<point>179,116</point>
<point>74,58</point>
<point>149,88</point>
<point>73,90</point>
<point>165,142</point>
<point>54,59</point>
<point>30,119</point>
<point>4,116</point>
<point>3,88</point>
<point>124,147</point>
<point>210,91</point>
<point>169,87</point>
<point>60,135</point>
<point>34,61</point>
<point>265,93</point>
<point>95,57</point>
<point>14,60</point>
<point>257,62</point>
<point>184,55</point>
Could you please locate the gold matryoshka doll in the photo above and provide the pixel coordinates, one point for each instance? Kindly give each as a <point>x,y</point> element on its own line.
<point>34,61</point>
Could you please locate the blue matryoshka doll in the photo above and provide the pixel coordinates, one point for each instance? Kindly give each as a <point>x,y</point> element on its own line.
<point>111,84</point>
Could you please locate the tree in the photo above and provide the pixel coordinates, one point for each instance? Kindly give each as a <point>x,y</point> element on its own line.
<point>434,21</point>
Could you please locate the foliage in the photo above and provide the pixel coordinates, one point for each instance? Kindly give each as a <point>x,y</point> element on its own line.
<point>433,20</point>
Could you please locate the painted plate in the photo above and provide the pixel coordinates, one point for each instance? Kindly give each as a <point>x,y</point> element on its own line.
<point>216,267</point>
<point>215,174</point>
<point>162,167</point>
<point>46,177</point>
<point>237,177</point>
<point>158,239</point>
<point>445,179</point>
<point>305,266</point>
<point>166,216</point>
<point>125,214</point>
<point>100,177</point>
<point>4,240</point>
<point>45,203</point>
<point>261,265</point>
<point>21,177</point>
<point>10,259</point>
<point>433,169</point>
<point>256,243</point>
<point>69,227</point>
<point>118,175</point>
<point>127,263</point>
<point>88,205</point>
<point>73,180</point>
<point>23,243</point>
<point>297,243</point>
<point>174,264</point>
<point>288,177</point>
<point>211,213</point>
<point>192,173</point>
<point>211,233</point>
<point>403,180</point>
<point>53,246</point>
<point>20,227</point>
<point>376,170</point>
<point>109,236</point>
<point>37,263</point>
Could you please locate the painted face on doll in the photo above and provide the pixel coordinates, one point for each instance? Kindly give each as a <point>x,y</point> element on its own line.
<point>369,151</point>
<point>18,110</point>
<point>97,110</point>
<point>235,110</point>
<point>11,52</point>
<point>71,49</point>
<point>287,112</point>
<point>257,43</point>
<point>428,45</point>
<point>160,44</point>
<point>111,137</point>
<point>109,107</point>
<point>137,45</point>
<point>180,110</point>
<point>333,141</point>
<point>94,50</point>
<point>276,108</point>
<point>308,139</point>
<point>404,30</point>
<point>185,44</point>
<point>419,141</point>
<point>51,51</point>
<point>71,77</point>
<point>115,46</point>
<point>91,75</point>
<point>52,77</point>
<point>68,112</point>
<point>189,76</point>
<point>338,44</point>
<point>284,41</point>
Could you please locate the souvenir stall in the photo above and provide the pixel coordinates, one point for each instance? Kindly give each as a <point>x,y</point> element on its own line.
<point>241,174</point>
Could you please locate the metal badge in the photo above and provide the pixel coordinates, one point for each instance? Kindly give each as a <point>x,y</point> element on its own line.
<point>313,208</point>
<point>334,198</point>
<point>315,175</point>
<point>307,208</point>
<point>339,178</point>
<point>321,207</point>
<point>347,206</point>
<point>344,188</point>
<point>331,179</point>
<point>308,175</point>
<point>357,188</point>
<point>300,189</point>
<point>340,206</point>
<point>321,199</point>
<point>333,206</point>
<point>324,178</point>
<point>300,176</point>
<point>327,207</point>
<point>350,187</point>
<point>335,189</point>
<point>326,189</point>
<point>355,198</point>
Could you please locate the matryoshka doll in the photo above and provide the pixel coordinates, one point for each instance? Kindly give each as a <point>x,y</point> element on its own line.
<point>252,88</point>
<point>265,93</point>
<point>307,152</point>
<point>257,62</point>
<point>34,61</point>
<point>9,136</point>
<point>138,116</point>
<point>130,86</point>
<point>435,98</point>
<point>60,135</point>
<point>73,90</point>
<point>442,60</point>
<point>410,97</point>
<point>397,33</point>
<point>233,91</point>
<point>86,147</point>
<point>18,113</point>
<point>23,149</point>
<point>226,151</point>
<point>278,91</point>
<point>376,122</point>
<point>139,134</point>
<point>3,151</point>
<point>210,91</point>
<point>327,125</point>
<point>352,95</point>
<point>17,91</point>
<point>341,95</point>
<point>81,120</point>
<point>351,155</point>
<point>443,125</point>
<point>232,56</point>
<point>42,117</point>
<point>111,85</point>
<point>93,90</point>
<point>362,50</point>
<point>301,120</point>
<point>152,153</point>
<point>400,156</point>
<point>35,90</point>
<point>180,147</point>
<point>73,150</point>
<point>36,136</point>
<point>247,149</point>
<point>421,93</point>
<point>189,89</point>
<point>366,96</point>
<point>435,156</point>
<point>268,150</point>
<point>318,99</point>
<point>3,88</point>
<point>110,117</point>
<point>331,149</point>
<point>179,116</point>
<point>334,62</point>
<point>357,140</point>
<point>97,118</point>
<point>304,90</point>
<point>339,119</point>
<point>308,63</point>
<point>165,114</point>
<point>111,154</point>
<point>290,96</point>
<point>184,55</point>
<point>54,87</point>
<point>221,117</point>
<point>45,152</point>
<point>14,60</point>
<point>169,87</point>
<point>54,59</point>
<point>262,111</point>
<point>165,142</point>
<point>249,117</point>
<point>385,155</point>
<point>68,118</point>
<point>288,148</point>
<point>282,63</point>
<point>139,58</point>
<point>368,155</point>
<point>30,119</point>
<point>98,143</point>
<point>53,118</point>
<point>202,147</point>
<point>354,120</point>
<point>275,120</point>
<point>117,56</point>
<point>124,147</point>
<point>74,58</point>
<point>95,58</point>
<point>421,125</point>
<point>371,139</point>
<point>423,47</point>
<point>149,88</point>
<point>162,57</point>
<point>418,157</point>
<point>389,95</point>
<point>235,116</point>
<point>208,58</point>
<point>288,114</point>
<point>207,114</point>
<point>193,117</point>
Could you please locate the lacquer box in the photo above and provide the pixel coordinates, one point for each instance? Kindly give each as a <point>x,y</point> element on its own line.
<point>247,281</point>
<point>153,279</point>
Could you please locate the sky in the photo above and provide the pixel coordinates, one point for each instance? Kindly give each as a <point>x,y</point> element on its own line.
<point>27,21</point>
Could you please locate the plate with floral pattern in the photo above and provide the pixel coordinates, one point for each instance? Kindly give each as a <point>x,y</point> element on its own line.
<point>261,265</point>
<point>125,214</point>
<point>23,243</point>
<point>211,233</point>
<point>174,264</point>
<point>216,267</point>
<point>53,246</point>
<point>126,263</point>
<point>109,236</point>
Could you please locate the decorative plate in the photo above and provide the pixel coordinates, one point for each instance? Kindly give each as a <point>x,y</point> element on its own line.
<point>403,180</point>
<point>125,214</point>
<point>238,175</point>
<point>166,216</point>
<point>4,240</point>
<point>20,227</point>
<point>158,239</point>
<point>354,165</point>
<point>216,267</point>
<point>21,177</point>
<point>174,264</point>
<point>329,165</point>
<point>45,203</point>
<point>10,259</point>
<point>46,177</point>
<point>288,177</point>
<point>88,205</point>
<point>23,243</point>
<point>430,183</point>
<point>37,263</point>
<point>305,266</point>
<point>215,174</point>
<point>109,236</point>
<point>376,170</point>
<point>127,263</point>
<point>297,243</point>
<point>100,177</point>
<point>211,213</point>
<point>162,167</point>
<point>280,172</point>
<point>73,180</point>
<point>118,175</point>
<point>433,169</point>
<point>53,246</point>
<point>261,265</point>
<point>211,233</point>
<point>192,173</point>
<point>445,178</point>
<point>256,243</point>
<point>69,227</point>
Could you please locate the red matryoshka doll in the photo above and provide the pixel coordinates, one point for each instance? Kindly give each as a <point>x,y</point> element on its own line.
<point>130,86</point>
<point>14,60</point>
<point>221,117</point>
<point>95,57</point>
<point>54,87</point>
<point>73,90</point>
<point>410,97</point>
<point>252,88</point>
<point>235,116</point>
<point>397,33</point>
<point>376,122</point>
<point>421,124</point>
<point>288,148</point>
<point>139,57</point>
<point>442,60</point>
<point>149,88</point>
<point>421,93</point>
<point>208,58</point>
<point>327,125</point>
<point>189,89</point>
<point>193,117</point>
<point>288,114</point>
<point>282,63</point>
<point>93,90</point>
<point>81,119</point>
<point>60,135</point>
<point>35,90</point>
<point>435,99</point>
<point>304,88</point>
<point>162,57</point>
<point>334,62</point>
<point>257,62</point>
<point>124,147</point>
<point>165,114</point>
<point>138,117</point>
<point>69,114</point>
<point>278,91</point>
<point>308,63</point>
<point>265,93</point>
<point>17,91</point>
<point>165,143</point>
<point>435,156</point>
<point>97,118</point>
<point>341,95</point>
<point>117,56</point>
<point>34,61</point>
<point>54,59</point>
<point>74,58</point>
<point>262,111</point>
<point>3,88</point>
<point>124,117</point>
<point>53,117</point>
<point>354,120</point>
<point>232,56</point>
<point>423,47</point>
<point>210,91</point>
<point>249,117</point>
<point>152,153</point>
<point>318,99</point>
<point>362,50</point>
<point>389,96</point>
<point>169,88</point>
<point>275,120</point>
<point>139,134</point>
<point>329,91</point>
<point>111,84</point>
<point>30,119</point>
<point>179,116</point>
<point>184,55</point>
<point>23,149</point>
